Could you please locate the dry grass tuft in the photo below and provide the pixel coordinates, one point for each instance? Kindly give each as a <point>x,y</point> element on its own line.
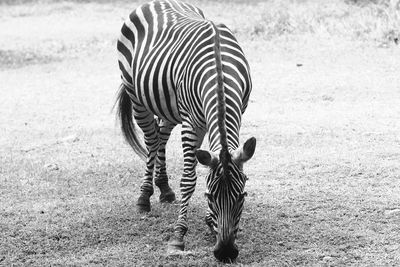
<point>379,22</point>
<point>16,59</point>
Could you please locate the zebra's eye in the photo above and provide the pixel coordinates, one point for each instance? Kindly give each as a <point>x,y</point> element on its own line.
<point>241,197</point>
<point>244,176</point>
<point>209,197</point>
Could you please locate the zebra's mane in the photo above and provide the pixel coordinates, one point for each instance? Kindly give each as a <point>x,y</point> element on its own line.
<point>224,155</point>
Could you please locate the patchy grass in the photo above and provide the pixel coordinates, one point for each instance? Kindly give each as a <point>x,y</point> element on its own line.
<point>16,59</point>
<point>376,22</point>
<point>323,186</point>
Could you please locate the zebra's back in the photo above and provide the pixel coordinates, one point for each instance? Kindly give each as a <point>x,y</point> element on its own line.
<point>166,58</point>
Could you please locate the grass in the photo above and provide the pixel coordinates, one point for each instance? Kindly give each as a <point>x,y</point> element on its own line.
<point>323,188</point>
<point>14,59</point>
<point>376,22</point>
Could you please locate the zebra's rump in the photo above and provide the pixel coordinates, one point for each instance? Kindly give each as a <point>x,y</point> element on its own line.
<point>166,57</point>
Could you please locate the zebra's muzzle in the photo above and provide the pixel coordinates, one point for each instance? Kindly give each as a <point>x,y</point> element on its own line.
<point>226,251</point>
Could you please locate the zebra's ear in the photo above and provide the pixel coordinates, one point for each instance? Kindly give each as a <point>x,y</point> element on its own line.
<point>244,153</point>
<point>206,158</point>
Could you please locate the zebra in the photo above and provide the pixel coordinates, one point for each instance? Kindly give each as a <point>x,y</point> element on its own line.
<point>177,67</point>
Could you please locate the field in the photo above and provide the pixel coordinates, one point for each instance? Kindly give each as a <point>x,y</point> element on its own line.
<point>323,186</point>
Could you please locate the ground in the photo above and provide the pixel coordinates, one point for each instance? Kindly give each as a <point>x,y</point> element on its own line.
<point>323,186</point>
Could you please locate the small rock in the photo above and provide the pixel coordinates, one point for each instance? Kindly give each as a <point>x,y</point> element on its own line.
<point>392,212</point>
<point>282,215</point>
<point>327,259</point>
<point>51,166</point>
<point>70,138</point>
<point>327,98</point>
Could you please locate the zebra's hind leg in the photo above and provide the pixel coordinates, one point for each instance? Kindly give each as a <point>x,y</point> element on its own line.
<point>149,126</point>
<point>191,140</point>
<point>161,177</point>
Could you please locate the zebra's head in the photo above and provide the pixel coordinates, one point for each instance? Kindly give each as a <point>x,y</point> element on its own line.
<point>225,195</point>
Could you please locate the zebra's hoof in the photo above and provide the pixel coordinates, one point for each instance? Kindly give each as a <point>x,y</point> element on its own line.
<point>176,245</point>
<point>143,204</point>
<point>168,197</point>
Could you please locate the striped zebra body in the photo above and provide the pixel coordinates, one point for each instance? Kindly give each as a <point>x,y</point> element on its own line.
<point>173,62</point>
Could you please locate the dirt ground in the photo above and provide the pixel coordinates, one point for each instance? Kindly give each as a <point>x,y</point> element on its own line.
<point>324,183</point>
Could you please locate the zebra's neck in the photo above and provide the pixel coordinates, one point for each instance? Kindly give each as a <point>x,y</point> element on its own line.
<point>228,137</point>
<point>232,134</point>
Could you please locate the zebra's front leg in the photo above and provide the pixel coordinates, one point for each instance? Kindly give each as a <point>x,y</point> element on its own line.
<point>191,140</point>
<point>161,177</point>
<point>210,221</point>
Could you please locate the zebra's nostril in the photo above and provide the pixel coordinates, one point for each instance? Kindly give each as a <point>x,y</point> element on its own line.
<point>226,253</point>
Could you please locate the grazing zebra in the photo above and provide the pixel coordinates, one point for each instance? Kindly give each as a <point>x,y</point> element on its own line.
<point>179,68</point>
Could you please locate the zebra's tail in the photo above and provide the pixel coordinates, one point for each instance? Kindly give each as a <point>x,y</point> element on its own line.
<point>124,113</point>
